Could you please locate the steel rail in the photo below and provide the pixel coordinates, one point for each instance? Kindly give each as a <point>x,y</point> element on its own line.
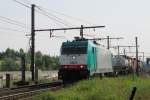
<point>29,94</point>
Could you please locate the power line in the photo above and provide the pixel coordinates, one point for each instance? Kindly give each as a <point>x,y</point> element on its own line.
<point>14,21</point>
<point>54,16</point>
<point>9,33</point>
<point>22,4</point>
<point>63,14</point>
<point>69,16</point>
<point>26,1</point>
<point>51,18</point>
<point>9,29</point>
<point>49,15</point>
<point>43,13</point>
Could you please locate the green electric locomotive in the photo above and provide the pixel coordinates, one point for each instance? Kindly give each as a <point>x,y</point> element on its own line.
<point>82,58</point>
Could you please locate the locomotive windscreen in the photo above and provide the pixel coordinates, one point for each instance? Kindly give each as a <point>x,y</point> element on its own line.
<point>74,50</point>
<point>74,47</point>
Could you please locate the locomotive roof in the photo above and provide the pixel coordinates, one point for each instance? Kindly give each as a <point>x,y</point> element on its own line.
<point>82,42</point>
<point>75,43</point>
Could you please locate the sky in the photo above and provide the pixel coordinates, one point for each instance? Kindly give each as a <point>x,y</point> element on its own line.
<point>122,18</point>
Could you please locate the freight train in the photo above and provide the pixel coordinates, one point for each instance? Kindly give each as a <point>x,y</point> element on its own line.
<point>121,64</point>
<point>82,58</point>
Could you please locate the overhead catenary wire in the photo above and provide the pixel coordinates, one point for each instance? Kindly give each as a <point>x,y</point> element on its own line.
<point>53,18</point>
<point>56,18</point>
<point>69,16</point>
<point>10,29</point>
<point>12,23</point>
<point>11,33</point>
<point>20,23</point>
<point>43,13</point>
<point>21,3</point>
<point>25,5</point>
<point>27,2</point>
<point>48,14</point>
<point>62,14</point>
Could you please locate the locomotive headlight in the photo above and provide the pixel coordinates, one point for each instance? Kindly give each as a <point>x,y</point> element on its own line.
<point>81,66</point>
<point>65,67</point>
<point>73,57</point>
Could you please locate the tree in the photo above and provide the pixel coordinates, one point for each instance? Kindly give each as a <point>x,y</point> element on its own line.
<point>50,63</point>
<point>10,53</point>
<point>55,62</point>
<point>10,60</point>
<point>9,64</point>
<point>21,52</point>
<point>46,62</point>
<point>38,60</point>
<point>1,55</point>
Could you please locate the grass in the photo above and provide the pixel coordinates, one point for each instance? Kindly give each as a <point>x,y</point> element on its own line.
<point>118,88</point>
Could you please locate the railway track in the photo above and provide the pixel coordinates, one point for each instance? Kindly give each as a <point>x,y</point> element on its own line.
<point>27,95</point>
<point>22,93</point>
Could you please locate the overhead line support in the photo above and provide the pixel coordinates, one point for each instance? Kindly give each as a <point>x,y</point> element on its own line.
<point>118,47</point>
<point>73,28</point>
<point>33,42</point>
<point>108,40</point>
<point>137,66</point>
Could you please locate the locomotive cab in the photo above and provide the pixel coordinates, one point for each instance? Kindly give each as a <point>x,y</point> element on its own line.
<point>73,60</point>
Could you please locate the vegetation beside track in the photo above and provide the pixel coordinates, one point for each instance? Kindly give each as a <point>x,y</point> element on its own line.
<point>10,60</point>
<point>118,88</point>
